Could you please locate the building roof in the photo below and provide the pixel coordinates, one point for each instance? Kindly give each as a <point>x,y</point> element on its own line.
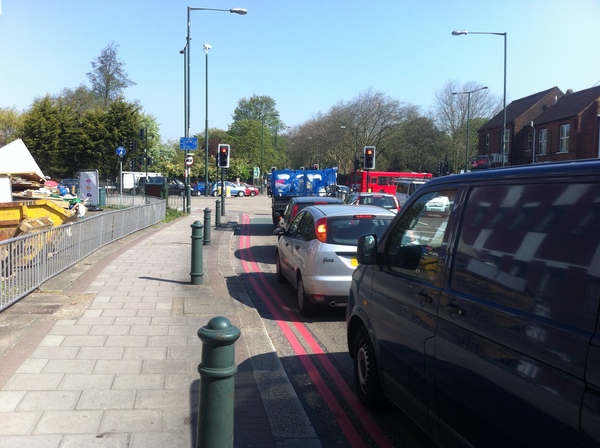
<point>517,108</point>
<point>569,105</point>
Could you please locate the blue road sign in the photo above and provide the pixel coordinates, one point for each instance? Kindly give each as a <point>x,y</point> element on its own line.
<point>188,143</point>
<point>120,151</point>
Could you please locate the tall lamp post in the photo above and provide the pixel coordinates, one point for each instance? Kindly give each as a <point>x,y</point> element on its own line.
<point>465,32</point>
<point>206,47</point>
<point>239,11</point>
<point>468,93</point>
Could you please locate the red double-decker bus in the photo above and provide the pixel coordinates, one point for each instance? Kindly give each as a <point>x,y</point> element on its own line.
<point>381,181</point>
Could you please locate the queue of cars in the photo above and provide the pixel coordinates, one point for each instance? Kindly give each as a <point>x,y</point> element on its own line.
<point>475,309</point>
<point>239,189</point>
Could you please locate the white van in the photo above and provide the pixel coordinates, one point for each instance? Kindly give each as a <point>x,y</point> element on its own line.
<point>405,188</point>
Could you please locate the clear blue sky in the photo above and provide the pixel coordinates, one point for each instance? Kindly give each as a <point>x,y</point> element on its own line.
<point>308,55</point>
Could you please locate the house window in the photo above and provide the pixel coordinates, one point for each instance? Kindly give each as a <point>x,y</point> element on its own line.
<point>506,142</point>
<point>486,147</point>
<point>529,141</point>
<point>543,142</point>
<point>564,138</point>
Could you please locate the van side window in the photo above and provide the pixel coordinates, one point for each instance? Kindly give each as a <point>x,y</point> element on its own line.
<point>417,242</point>
<point>528,247</point>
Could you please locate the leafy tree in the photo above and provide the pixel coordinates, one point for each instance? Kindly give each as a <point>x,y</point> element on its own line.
<point>334,138</point>
<point>50,131</point>
<point>102,131</point>
<point>11,122</point>
<point>108,76</point>
<point>80,99</point>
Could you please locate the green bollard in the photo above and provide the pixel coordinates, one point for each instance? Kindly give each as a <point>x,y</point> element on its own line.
<point>217,370</point>
<point>217,213</point>
<point>197,271</point>
<point>206,239</point>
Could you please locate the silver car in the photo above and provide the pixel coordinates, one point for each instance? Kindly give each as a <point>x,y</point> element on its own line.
<point>317,251</point>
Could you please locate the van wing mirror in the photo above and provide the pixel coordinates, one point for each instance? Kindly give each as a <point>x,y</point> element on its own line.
<point>366,249</point>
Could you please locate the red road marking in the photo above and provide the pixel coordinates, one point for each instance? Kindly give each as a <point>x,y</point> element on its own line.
<point>283,322</point>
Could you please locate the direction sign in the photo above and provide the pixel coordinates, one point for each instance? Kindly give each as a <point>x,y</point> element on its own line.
<point>120,151</point>
<point>256,172</point>
<point>188,143</point>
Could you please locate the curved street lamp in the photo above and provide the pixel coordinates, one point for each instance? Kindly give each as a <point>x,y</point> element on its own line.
<point>465,32</point>
<point>239,11</point>
<point>468,93</point>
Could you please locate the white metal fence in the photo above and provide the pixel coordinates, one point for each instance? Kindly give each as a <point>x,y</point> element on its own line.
<point>29,260</point>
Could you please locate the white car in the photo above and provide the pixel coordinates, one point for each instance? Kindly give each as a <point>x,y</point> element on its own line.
<point>438,204</point>
<point>317,251</point>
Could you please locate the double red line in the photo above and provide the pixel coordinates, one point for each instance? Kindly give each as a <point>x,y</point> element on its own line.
<point>286,320</point>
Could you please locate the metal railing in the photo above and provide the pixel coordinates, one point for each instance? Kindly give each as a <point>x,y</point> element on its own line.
<point>28,261</point>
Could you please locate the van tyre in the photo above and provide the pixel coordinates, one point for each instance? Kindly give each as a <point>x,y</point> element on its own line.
<point>366,374</point>
<point>305,307</point>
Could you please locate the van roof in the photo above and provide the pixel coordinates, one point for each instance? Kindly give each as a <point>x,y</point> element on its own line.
<point>559,170</point>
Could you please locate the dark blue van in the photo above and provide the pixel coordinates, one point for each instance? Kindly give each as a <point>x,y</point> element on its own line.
<point>480,319</point>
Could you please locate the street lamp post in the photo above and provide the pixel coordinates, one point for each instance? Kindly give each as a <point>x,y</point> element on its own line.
<point>207,47</point>
<point>464,32</point>
<point>262,150</point>
<point>239,11</point>
<point>468,93</point>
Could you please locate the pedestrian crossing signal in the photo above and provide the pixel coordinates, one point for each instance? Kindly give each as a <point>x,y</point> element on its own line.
<point>369,158</point>
<point>223,156</point>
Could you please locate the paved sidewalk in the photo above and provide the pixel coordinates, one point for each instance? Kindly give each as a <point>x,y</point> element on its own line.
<point>124,372</point>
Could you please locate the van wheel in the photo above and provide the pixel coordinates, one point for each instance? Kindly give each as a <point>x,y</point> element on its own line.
<point>366,375</point>
<point>280,277</point>
<point>305,307</point>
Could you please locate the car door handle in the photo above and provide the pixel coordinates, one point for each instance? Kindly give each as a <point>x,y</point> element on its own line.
<point>424,297</point>
<point>454,309</point>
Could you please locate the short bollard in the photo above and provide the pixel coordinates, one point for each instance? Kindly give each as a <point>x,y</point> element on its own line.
<point>217,368</point>
<point>217,213</point>
<point>206,239</point>
<point>197,271</point>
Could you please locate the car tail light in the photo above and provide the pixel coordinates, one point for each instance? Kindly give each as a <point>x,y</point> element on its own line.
<point>321,230</point>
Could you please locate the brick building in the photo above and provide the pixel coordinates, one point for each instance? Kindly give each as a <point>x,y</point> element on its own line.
<point>547,126</point>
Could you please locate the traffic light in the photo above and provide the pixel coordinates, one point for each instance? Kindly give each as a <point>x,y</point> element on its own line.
<point>440,169</point>
<point>223,156</point>
<point>369,163</point>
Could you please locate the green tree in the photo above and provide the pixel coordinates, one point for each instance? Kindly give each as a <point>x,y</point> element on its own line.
<point>103,131</point>
<point>11,123</point>
<point>258,107</point>
<point>108,76</point>
<point>50,131</point>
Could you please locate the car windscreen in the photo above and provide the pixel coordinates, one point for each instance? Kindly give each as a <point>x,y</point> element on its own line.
<point>347,230</point>
<point>378,200</point>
